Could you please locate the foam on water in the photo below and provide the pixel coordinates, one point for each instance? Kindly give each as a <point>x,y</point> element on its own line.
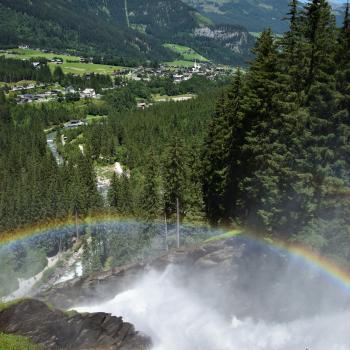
<point>177,319</point>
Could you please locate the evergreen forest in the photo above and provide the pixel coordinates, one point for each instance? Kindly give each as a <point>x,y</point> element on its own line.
<point>268,152</point>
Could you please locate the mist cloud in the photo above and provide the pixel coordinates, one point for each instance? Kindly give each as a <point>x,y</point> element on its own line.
<point>177,318</point>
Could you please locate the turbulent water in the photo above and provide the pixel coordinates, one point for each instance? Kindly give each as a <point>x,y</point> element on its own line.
<point>178,319</point>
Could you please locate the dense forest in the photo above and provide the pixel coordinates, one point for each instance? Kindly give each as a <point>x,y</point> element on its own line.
<point>12,70</point>
<point>25,154</point>
<point>277,152</point>
<point>275,155</point>
<point>33,187</point>
<point>269,152</point>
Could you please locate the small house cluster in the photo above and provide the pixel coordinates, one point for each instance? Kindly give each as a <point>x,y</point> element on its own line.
<point>179,74</point>
<point>38,97</point>
<point>72,124</point>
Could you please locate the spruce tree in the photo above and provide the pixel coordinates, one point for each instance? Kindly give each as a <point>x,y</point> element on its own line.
<point>221,154</point>
<point>174,176</point>
<point>114,191</point>
<point>343,62</point>
<point>125,206</point>
<point>320,34</point>
<point>292,63</point>
<point>58,74</point>
<point>261,123</point>
<point>150,202</point>
<point>341,120</point>
<point>4,110</point>
<point>321,99</point>
<point>216,163</point>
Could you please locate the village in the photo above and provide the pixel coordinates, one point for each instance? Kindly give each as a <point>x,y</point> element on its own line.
<point>35,92</point>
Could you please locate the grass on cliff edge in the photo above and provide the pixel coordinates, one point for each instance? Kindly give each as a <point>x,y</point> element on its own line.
<point>16,342</point>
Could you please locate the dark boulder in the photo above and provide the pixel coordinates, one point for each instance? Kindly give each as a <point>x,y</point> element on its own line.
<point>56,330</point>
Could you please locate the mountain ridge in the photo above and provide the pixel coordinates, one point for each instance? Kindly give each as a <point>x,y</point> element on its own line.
<point>254,15</point>
<point>132,29</point>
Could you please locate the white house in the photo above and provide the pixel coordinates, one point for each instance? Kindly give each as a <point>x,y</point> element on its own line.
<point>88,93</point>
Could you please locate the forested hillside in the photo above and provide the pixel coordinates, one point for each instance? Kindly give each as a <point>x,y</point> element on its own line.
<point>79,26</point>
<point>254,15</point>
<point>33,187</point>
<point>277,151</point>
<point>273,156</point>
<point>131,29</point>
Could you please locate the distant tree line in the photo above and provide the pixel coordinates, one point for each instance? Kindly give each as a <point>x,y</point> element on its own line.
<point>12,70</point>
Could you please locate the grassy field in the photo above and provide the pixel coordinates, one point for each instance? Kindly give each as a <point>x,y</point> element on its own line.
<point>83,68</point>
<point>187,53</point>
<point>164,98</point>
<point>203,19</point>
<point>179,63</point>
<point>16,342</point>
<point>91,119</point>
<point>68,65</point>
<point>30,53</point>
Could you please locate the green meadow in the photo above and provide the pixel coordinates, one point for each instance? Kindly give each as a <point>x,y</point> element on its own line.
<point>186,53</point>
<point>71,64</point>
<point>180,63</point>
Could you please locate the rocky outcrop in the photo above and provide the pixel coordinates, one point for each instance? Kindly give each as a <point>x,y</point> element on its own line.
<point>237,276</point>
<point>235,38</point>
<point>216,257</point>
<point>55,330</point>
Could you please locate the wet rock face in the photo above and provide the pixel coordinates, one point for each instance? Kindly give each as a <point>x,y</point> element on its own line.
<point>56,330</point>
<point>217,262</point>
<point>235,277</point>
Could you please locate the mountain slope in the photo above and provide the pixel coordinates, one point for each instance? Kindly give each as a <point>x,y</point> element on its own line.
<point>116,28</point>
<point>80,24</point>
<point>255,15</point>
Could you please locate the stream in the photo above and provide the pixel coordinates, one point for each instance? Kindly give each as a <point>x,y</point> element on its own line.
<point>51,142</point>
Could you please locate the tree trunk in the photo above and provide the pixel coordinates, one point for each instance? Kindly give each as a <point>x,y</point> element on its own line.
<point>178,222</point>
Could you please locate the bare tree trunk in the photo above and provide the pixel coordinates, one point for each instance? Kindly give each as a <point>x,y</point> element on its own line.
<point>166,232</point>
<point>60,246</point>
<point>76,225</point>
<point>178,222</point>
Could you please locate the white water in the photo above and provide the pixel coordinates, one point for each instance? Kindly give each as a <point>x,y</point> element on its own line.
<point>76,270</point>
<point>177,319</point>
<point>25,286</point>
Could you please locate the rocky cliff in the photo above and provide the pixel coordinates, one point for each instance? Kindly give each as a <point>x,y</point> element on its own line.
<point>55,330</point>
<point>237,276</point>
<point>236,38</point>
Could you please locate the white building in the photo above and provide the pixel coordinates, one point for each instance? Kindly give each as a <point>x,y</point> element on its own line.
<point>88,93</point>
<point>196,67</point>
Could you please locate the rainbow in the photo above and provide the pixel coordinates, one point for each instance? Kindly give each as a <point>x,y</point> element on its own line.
<point>43,227</point>
<point>328,267</point>
<point>332,270</point>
